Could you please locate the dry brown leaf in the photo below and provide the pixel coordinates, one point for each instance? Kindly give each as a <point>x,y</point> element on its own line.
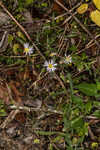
<point>20,117</point>
<point>4,94</point>
<point>57,8</point>
<point>16,92</point>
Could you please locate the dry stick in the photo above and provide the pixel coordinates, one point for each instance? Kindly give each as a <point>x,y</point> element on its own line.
<point>66,20</point>
<point>76,19</point>
<point>11,116</point>
<point>37,80</point>
<point>62,15</point>
<point>22,28</point>
<point>91,133</point>
<point>61,83</point>
<point>25,108</point>
<point>92,39</point>
<point>62,41</point>
<point>3,38</point>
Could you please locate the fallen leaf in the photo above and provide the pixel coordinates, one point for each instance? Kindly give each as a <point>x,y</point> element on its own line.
<point>95,17</point>
<point>4,94</point>
<point>82,9</point>
<point>56,7</point>
<point>97,3</point>
<point>17,94</point>
<point>20,117</point>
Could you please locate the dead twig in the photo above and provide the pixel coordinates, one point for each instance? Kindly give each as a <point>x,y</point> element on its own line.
<point>9,118</point>
<point>61,83</point>
<point>91,133</point>
<point>34,83</point>
<point>29,109</point>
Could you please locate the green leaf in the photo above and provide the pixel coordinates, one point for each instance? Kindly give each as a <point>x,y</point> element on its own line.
<point>29,2</point>
<point>77,122</point>
<point>98,85</point>
<point>87,89</point>
<point>73,48</point>
<point>88,107</point>
<point>3,113</point>
<point>77,100</point>
<point>96,104</point>
<point>10,38</point>
<point>97,113</point>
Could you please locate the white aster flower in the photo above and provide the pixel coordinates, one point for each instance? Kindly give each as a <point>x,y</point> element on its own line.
<point>50,65</point>
<point>68,59</point>
<point>28,49</point>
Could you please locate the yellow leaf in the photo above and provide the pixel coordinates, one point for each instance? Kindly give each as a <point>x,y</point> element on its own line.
<point>97,3</point>
<point>83,8</point>
<point>95,17</point>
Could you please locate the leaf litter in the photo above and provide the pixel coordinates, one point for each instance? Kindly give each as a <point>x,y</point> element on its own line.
<point>59,109</point>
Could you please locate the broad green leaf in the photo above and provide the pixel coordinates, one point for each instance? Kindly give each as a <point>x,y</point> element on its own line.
<point>83,130</point>
<point>96,104</point>
<point>83,8</point>
<point>95,17</point>
<point>88,107</point>
<point>87,89</point>
<point>97,3</point>
<point>97,113</point>
<point>76,100</point>
<point>98,85</point>
<point>77,122</point>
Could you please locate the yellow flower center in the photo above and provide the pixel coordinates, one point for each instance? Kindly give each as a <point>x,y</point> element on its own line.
<point>50,66</point>
<point>26,50</point>
<point>67,59</point>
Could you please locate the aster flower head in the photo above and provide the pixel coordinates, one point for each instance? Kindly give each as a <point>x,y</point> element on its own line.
<point>28,50</point>
<point>68,59</point>
<point>50,65</point>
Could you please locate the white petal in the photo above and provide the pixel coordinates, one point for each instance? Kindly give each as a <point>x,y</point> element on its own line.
<point>30,52</point>
<point>30,48</point>
<point>26,45</point>
<point>46,63</point>
<point>48,69</point>
<point>54,64</point>
<point>51,61</point>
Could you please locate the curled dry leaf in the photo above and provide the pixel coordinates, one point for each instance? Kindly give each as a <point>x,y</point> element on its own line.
<point>83,8</point>
<point>97,3</point>
<point>95,17</point>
